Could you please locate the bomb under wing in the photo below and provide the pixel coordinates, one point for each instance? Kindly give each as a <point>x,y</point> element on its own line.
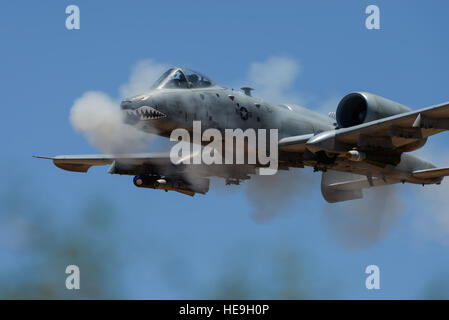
<point>178,184</point>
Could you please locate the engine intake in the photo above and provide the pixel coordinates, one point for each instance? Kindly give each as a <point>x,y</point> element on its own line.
<point>361,107</point>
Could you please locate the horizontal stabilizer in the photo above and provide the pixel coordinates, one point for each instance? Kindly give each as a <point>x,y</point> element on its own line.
<point>431,173</point>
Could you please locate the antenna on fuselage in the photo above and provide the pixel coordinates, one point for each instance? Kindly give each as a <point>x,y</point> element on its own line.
<point>247,90</point>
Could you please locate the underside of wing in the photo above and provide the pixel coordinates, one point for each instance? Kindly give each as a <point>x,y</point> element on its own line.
<point>82,163</point>
<point>150,163</point>
<point>157,171</point>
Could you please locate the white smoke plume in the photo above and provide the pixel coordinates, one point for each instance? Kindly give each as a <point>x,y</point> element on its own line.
<point>432,217</point>
<point>97,116</point>
<point>433,220</point>
<point>143,75</point>
<point>357,224</point>
<point>271,196</point>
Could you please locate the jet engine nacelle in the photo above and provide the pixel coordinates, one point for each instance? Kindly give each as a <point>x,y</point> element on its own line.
<point>361,107</point>
<point>178,184</point>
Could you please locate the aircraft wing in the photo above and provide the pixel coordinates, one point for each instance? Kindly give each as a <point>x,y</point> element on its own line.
<point>401,128</point>
<point>82,163</point>
<point>294,143</point>
<point>392,132</point>
<point>148,163</point>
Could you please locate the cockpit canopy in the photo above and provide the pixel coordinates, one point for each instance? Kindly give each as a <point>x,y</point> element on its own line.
<point>177,78</point>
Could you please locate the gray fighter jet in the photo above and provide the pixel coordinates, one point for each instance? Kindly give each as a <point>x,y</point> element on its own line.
<point>365,143</point>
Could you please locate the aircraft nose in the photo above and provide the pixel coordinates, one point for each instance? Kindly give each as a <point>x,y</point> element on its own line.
<point>129,116</point>
<point>126,104</point>
<point>140,108</point>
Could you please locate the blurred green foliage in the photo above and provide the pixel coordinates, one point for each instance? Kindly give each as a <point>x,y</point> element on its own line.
<point>42,249</point>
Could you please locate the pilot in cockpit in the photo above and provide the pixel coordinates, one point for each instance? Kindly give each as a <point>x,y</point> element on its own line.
<point>193,80</point>
<point>177,78</point>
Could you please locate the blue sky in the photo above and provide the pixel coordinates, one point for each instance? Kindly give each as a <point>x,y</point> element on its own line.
<point>44,68</point>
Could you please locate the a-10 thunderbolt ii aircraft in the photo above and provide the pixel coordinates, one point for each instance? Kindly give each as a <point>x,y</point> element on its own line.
<point>365,143</point>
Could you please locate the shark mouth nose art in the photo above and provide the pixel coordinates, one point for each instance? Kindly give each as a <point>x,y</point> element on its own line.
<point>144,113</point>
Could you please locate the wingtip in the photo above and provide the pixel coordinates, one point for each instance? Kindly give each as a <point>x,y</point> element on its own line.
<point>42,157</point>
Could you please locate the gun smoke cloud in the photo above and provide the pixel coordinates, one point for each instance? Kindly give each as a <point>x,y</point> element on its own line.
<point>143,75</point>
<point>98,117</point>
<point>354,225</point>
<point>357,224</point>
<point>271,196</point>
<point>431,218</point>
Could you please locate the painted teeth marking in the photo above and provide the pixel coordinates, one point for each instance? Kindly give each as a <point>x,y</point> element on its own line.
<point>146,113</point>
